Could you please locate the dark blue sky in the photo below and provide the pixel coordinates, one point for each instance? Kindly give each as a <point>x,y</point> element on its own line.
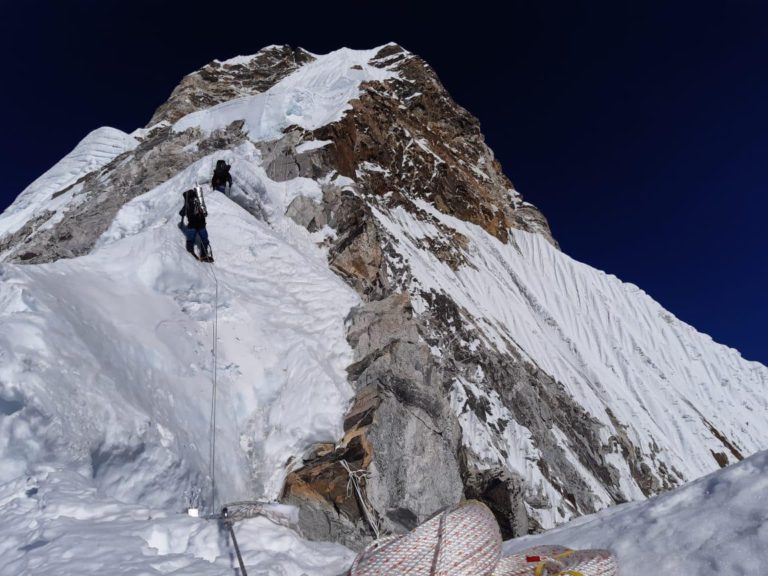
<point>639,128</point>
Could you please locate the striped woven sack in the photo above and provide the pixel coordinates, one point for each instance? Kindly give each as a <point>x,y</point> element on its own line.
<point>557,560</point>
<point>461,541</point>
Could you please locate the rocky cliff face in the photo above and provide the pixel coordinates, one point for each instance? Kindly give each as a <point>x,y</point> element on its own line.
<point>404,141</point>
<point>487,363</point>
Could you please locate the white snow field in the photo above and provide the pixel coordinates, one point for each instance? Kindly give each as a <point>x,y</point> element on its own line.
<point>105,383</point>
<point>714,526</point>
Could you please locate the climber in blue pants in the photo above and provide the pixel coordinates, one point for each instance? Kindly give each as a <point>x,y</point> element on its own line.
<point>195,211</point>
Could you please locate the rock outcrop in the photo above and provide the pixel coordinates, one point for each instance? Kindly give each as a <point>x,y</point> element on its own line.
<point>404,141</point>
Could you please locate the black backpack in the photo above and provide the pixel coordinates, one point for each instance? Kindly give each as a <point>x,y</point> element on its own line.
<point>220,174</point>
<point>222,168</point>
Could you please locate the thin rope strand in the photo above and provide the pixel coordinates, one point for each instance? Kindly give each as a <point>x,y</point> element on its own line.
<point>214,350</point>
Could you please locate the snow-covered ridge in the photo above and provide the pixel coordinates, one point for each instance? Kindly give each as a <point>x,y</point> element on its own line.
<point>94,151</point>
<point>611,345</point>
<point>105,378</point>
<point>105,360</point>
<point>316,94</point>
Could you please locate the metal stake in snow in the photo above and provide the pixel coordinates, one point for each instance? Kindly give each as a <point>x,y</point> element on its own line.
<point>237,550</point>
<point>212,457</point>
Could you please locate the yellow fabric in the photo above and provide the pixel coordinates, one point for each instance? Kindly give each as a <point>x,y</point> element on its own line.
<point>539,570</point>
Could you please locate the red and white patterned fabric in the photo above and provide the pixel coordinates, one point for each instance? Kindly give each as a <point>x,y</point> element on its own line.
<point>465,541</point>
<point>461,541</point>
<point>555,560</point>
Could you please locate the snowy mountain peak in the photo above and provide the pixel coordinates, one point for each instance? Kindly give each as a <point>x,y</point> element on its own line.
<point>315,95</point>
<point>40,200</point>
<point>222,81</point>
<point>383,301</point>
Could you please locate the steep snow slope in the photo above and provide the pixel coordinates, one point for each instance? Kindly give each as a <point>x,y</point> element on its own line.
<point>106,359</point>
<point>715,526</point>
<point>97,149</point>
<point>105,380</point>
<point>609,343</point>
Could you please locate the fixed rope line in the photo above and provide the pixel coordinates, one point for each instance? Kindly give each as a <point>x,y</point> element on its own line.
<point>214,352</point>
<point>355,477</point>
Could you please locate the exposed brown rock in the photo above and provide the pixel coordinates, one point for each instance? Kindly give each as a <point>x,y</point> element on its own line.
<point>330,507</point>
<point>159,157</point>
<point>721,458</point>
<point>218,82</point>
<point>724,440</point>
<point>429,147</point>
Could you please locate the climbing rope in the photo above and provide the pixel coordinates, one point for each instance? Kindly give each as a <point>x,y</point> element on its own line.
<point>465,541</point>
<point>214,352</point>
<point>355,477</point>
<point>462,541</point>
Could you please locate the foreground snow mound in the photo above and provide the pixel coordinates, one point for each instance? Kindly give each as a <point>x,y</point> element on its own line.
<point>715,526</point>
<point>56,522</point>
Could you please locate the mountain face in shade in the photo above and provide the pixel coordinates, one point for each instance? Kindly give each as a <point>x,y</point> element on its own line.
<point>384,301</point>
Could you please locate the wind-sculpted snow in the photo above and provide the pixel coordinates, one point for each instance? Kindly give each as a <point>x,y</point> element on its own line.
<point>607,342</point>
<point>57,522</point>
<point>96,150</point>
<point>715,526</point>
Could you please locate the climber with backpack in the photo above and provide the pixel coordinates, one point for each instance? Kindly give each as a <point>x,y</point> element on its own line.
<point>195,211</point>
<point>221,177</point>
